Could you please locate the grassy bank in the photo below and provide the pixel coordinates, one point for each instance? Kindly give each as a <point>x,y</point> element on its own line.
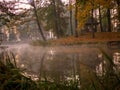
<point>102,38</point>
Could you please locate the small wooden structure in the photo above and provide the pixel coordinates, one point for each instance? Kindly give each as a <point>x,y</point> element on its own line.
<point>91,24</point>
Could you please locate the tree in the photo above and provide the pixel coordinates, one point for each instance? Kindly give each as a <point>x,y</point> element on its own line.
<point>107,4</point>
<point>86,11</point>
<point>37,19</point>
<point>85,7</point>
<point>76,21</point>
<point>100,19</point>
<point>118,13</point>
<point>70,12</point>
<point>83,14</point>
<point>9,11</point>
<point>109,19</point>
<point>11,14</point>
<point>54,17</point>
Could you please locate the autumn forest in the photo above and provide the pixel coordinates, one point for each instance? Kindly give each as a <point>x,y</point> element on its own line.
<point>59,44</point>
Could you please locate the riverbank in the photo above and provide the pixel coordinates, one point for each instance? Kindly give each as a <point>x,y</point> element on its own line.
<point>100,38</point>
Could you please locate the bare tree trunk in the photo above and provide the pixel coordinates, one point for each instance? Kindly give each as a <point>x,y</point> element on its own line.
<point>118,7</point>
<point>76,22</point>
<point>109,19</point>
<point>93,31</point>
<point>118,11</point>
<point>56,20</point>
<point>71,27</point>
<point>100,19</point>
<point>38,22</point>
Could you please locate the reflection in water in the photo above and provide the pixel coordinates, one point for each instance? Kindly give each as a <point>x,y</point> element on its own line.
<point>22,65</point>
<point>116,58</point>
<point>51,52</point>
<point>60,63</point>
<point>101,68</point>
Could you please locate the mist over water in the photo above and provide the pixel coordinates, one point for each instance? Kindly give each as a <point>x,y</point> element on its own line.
<point>57,61</point>
<point>34,54</point>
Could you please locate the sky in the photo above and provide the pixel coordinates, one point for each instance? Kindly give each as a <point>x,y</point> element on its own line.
<point>26,1</point>
<point>21,5</point>
<point>29,0</point>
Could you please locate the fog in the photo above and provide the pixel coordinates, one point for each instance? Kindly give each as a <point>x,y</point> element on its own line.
<point>58,61</point>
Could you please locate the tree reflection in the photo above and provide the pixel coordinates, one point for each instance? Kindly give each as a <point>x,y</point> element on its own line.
<point>85,68</point>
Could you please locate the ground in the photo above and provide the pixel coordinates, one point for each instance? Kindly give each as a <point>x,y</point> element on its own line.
<point>87,38</point>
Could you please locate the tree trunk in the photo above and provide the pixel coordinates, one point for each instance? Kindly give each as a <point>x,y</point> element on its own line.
<point>93,29</point>
<point>38,22</point>
<point>118,11</point>
<point>76,11</point>
<point>56,20</point>
<point>118,7</point>
<point>100,19</point>
<point>71,27</point>
<point>109,19</point>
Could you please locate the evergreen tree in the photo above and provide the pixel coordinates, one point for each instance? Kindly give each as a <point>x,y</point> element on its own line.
<point>55,17</point>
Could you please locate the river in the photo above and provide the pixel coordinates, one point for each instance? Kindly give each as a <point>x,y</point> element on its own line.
<point>60,62</point>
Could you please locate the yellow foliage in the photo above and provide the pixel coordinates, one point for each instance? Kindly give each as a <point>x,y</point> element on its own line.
<point>84,9</point>
<point>81,23</point>
<point>70,7</point>
<point>83,14</point>
<point>104,3</point>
